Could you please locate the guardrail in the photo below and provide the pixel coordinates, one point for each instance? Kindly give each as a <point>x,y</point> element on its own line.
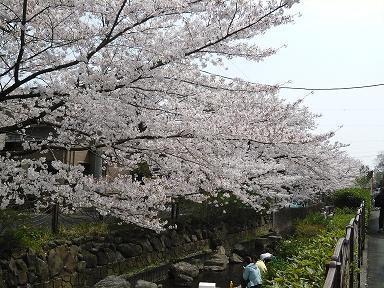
<point>341,270</point>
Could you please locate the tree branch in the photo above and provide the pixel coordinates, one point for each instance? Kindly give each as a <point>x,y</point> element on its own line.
<point>234,32</point>
<point>22,41</point>
<point>30,121</point>
<point>102,44</point>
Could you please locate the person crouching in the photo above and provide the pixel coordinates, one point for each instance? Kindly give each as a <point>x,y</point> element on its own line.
<point>251,274</point>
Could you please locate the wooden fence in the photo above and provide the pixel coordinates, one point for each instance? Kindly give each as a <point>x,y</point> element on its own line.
<point>343,271</point>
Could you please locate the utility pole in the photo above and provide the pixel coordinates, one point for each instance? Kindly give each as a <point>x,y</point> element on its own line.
<point>372,177</point>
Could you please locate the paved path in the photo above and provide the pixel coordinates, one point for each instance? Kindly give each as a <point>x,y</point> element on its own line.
<point>374,254</point>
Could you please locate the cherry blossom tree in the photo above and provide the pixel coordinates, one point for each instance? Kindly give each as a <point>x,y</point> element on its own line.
<point>131,78</point>
<point>379,170</point>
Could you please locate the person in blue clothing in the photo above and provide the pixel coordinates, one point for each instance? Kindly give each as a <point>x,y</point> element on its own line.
<point>251,274</point>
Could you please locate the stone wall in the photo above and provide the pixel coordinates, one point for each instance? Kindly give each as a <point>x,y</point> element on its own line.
<point>284,218</point>
<point>83,262</point>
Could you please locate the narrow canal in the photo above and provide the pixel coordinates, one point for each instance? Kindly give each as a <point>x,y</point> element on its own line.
<point>222,279</point>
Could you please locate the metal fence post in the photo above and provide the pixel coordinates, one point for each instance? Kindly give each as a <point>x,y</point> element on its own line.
<point>55,218</point>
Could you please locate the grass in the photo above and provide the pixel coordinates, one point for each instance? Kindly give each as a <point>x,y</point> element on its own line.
<point>36,238</point>
<point>83,229</point>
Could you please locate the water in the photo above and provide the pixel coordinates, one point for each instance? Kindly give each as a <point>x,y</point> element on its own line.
<point>233,273</point>
<point>221,278</point>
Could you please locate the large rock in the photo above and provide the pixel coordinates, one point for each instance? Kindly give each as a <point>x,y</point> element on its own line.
<point>193,238</point>
<point>130,249</point>
<point>234,258</point>
<point>186,238</point>
<point>184,268</point>
<point>183,280</point>
<point>174,238</point>
<point>113,282</point>
<point>166,240</point>
<point>158,244</point>
<point>220,250</point>
<point>42,270</point>
<point>30,259</point>
<point>218,262</point>
<point>240,249</point>
<point>81,265</point>
<point>119,256</point>
<point>70,259</point>
<point>105,256</point>
<point>146,245</point>
<point>56,260</point>
<point>198,263</point>
<point>89,258</point>
<point>19,272</point>
<point>145,284</point>
<point>183,273</point>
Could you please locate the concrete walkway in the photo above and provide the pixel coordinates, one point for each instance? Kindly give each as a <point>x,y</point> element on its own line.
<point>373,266</point>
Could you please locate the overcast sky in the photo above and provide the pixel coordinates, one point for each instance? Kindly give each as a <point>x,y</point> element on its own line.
<point>335,43</point>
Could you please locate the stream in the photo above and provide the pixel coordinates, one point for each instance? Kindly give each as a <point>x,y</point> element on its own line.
<point>221,278</point>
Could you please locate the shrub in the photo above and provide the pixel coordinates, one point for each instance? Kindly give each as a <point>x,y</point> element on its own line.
<point>311,224</point>
<point>315,218</point>
<point>34,238</point>
<point>8,229</point>
<point>305,229</point>
<point>15,234</point>
<point>24,237</point>
<point>351,197</point>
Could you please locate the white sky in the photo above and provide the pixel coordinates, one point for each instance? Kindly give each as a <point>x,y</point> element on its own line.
<point>335,43</point>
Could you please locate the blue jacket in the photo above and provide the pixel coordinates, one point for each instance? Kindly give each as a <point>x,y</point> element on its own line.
<point>251,275</point>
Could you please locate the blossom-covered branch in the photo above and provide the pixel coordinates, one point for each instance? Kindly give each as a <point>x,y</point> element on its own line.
<point>126,80</point>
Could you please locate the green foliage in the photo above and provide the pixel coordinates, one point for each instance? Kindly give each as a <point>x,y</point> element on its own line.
<point>15,235</point>
<point>8,219</point>
<point>34,238</point>
<point>311,225</point>
<point>310,230</point>
<point>364,179</point>
<point>352,198</point>
<point>9,235</point>
<point>21,236</point>
<point>378,178</point>
<point>222,207</point>
<point>315,218</point>
<point>302,257</point>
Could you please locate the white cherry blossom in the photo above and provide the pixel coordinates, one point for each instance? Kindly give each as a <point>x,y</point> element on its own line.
<point>127,77</point>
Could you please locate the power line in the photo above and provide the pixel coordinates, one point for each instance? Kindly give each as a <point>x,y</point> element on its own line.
<point>299,88</point>
<point>334,88</point>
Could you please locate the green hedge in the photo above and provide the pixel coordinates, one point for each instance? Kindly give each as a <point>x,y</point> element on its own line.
<point>352,198</point>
